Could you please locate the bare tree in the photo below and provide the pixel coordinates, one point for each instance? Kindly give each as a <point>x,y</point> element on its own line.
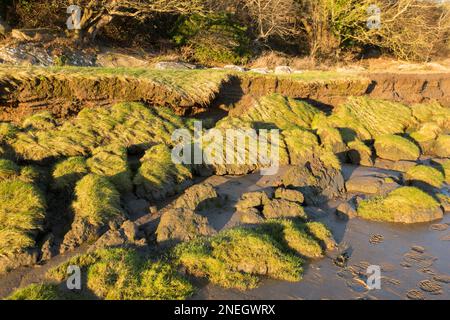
<point>273,17</point>
<point>99,13</point>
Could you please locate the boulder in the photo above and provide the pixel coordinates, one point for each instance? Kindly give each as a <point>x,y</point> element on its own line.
<point>360,154</point>
<point>401,166</point>
<point>346,211</point>
<point>370,185</point>
<point>197,197</point>
<point>395,148</point>
<point>260,70</point>
<point>251,216</point>
<point>280,208</point>
<point>234,67</point>
<point>283,70</point>
<point>403,205</point>
<point>288,194</point>
<point>252,200</point>
<point>168,65</point>
<point>180,224</point>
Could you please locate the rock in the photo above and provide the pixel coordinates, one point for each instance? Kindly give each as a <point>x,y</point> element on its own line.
<point>198,197</point>
<point>260,70</point>
<point>234,67</point>
<point>283,70</point>
<point>403,205</point>
<point>120,60</point>
<point>360,154</point>
<point>130,229</point>
<point>137,207</point>
<point>251,216</point>
<point>346,211</point>
<point>167,65</point>
<point>371,185</point>
<point>252,200</point>
<point>395,148</point>
<point>291,195</point>
<point>279,208</point>
<point>401,166</point>
<point>182,225</point>
<point>153,210</point>
<point>315,181</point>
<point>48,249</point>
<point>27,258</point>
<point>39,34</point>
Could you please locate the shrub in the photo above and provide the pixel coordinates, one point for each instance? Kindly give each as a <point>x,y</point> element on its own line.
<point>67,172</point>
<point>426,175</point>
<point>122,274</point>
<point>97,200</point>
<point>395,148</point>
<point>212,39</point>
<point>405,205</point>
<point>22,212</point>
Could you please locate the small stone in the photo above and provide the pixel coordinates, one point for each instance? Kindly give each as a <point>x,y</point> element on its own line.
<point>153,210</point>
<point>346,211</point>
<point>130,229</point>
<point>290,195</point>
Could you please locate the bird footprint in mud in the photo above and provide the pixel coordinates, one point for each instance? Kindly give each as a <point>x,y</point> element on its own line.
<point>418,258</point>
<point>430,286</point>
<point>376,239</point>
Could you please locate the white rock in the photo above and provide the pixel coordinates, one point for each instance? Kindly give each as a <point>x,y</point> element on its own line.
<point>283,70</point>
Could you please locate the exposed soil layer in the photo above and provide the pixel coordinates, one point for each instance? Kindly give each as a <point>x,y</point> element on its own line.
<point>65,95</point>
<point>411,88</point>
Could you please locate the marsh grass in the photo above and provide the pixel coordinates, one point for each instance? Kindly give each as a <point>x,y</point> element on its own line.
<point>159,176</point>
<point>97,200</point>
<point>112,162</point>
<point>123,274</point>
<point>237,258</point>
<point>395,148</point>
<point>425,174</point>
<point>67,172</point>
<point>39,121</point>
<point>40,291</point>
<point>8,169</point>
<point>124,124</point>
<point>22,213</point>
<point>405,204</point>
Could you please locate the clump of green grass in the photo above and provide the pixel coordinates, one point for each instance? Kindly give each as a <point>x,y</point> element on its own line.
<point>7,131</point>
<point>237,258</point>
<point>124,124</point>
<point>67,172</point>
<point>303,146</point>
<point>158,176</point>
<point>405,205</point>
<point>425,174</point>
<point>40,291</point>
<point>39,121</point>
<point>432,112</point>
<point>368,118</point>
<point>442,146</point>
<point>275,112</point>
<point>426,135</point>
<point>395,148</point>
<point>34,175</point>
<point>22,212</point>
<point>122,274</point>
<point>446,169</point>
<point>97,200</point>
<point>112,162</point>
<point>293,234</point>
<point>8,169</point>
<point>330,137</point>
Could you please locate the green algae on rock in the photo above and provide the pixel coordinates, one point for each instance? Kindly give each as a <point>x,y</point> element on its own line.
<point>441,147</point>
<point>8,169</point>
<point>41,291</point>
<point>359,153</point>
<point>403,205</point>
<point>395,148</point>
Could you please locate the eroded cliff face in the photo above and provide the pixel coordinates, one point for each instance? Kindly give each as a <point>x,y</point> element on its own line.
<point>65,93</point>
